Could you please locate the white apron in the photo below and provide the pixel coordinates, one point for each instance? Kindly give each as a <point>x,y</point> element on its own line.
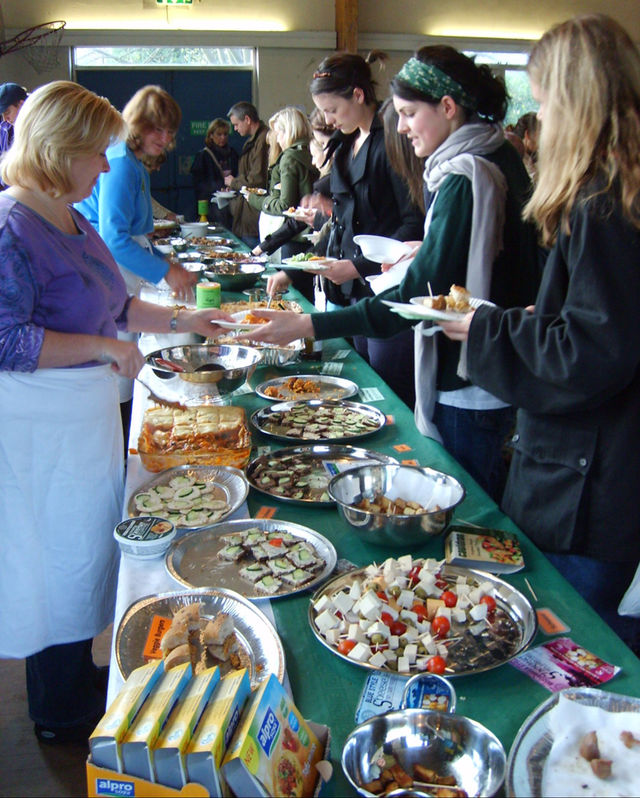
<point>61,491</point>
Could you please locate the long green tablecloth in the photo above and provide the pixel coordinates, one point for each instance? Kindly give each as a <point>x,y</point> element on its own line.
<point>325,687</point>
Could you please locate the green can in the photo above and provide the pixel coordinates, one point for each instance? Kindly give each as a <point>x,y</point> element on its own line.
<point>208,295</point>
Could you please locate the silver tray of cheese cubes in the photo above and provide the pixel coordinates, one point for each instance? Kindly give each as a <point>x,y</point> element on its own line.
<point>350,607</point>
<point>191,496</point>
<point>257,557</point>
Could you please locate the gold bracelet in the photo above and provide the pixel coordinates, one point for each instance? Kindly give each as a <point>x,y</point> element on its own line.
<point>173,324</point>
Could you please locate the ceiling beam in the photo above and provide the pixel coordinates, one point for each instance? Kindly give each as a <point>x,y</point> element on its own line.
<point>347,25</point>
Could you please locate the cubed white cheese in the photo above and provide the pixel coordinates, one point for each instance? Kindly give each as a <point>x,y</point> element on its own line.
<point>442,650</point>
<point>343,601</point>
<point>461,581</point>
<point>378,628</point>
<point>322,603</point>
<point>327,620</point>
<point>355,591</point>
<point>421,663</point>
<point>360,652</point>
<point>410,616</point>
<point>410,634</point>
<point>364,624</point>
<point>403,665</point>
<point>486,588</point>
<point>478,612</point>
<point>433,565</point>
<point>475,595</point>
<point>464,602</point>
<point>478,628</point>
<point>332,636</point>
<point>378,660</point>
<point>411,652</point>
<point>427,582</point>
<point>369,605</point>
<point>444,612</point>
<point>423,626</point>
<point>371,570</point>
<point>458,615</point>
<point>405,563</point>
<point>393,612</point>
<point>343,626</point>
<point>351,617</point>
<point>389,655</point>
<point>406,598</point>
<point>355,633</point>
<point>393,641</point>
<point>399,582</point>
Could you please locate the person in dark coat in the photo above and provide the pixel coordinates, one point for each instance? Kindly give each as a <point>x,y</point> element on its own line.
<point>211,165</point>
<point>571,363</point>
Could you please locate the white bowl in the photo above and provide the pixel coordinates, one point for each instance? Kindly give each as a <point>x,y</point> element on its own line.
<point>166,249</point>
<point>189,229</point>
<point>380,249</point>
<point>144,537</point>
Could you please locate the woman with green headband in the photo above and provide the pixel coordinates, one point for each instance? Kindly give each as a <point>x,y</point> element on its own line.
<point>475,186</point>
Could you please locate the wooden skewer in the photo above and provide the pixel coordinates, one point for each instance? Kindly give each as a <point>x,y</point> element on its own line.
<point>533,593</point>
<point>429,287</point>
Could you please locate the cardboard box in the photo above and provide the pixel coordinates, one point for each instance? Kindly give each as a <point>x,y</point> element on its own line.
<point>170,748</point>
<point>106,739</point>
<point>104,782</point>
<point>215,730</point>
<point>137,745</point>
<point>274,751</point>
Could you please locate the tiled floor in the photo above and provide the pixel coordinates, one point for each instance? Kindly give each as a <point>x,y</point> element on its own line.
<point>28,768</point>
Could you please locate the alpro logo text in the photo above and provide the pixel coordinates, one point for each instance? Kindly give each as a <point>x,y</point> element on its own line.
<point>115,787</point>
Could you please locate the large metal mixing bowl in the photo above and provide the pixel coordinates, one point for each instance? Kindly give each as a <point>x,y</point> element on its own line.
<point>228,367</point>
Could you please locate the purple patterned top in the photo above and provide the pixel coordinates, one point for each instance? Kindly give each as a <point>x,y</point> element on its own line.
<point>50,280</point>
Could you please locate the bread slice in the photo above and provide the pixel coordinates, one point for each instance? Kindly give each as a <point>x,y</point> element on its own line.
<point>178,656</point>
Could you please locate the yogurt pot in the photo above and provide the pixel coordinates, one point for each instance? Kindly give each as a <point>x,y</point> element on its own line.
<point>144,537</point>
<point>429,691</point>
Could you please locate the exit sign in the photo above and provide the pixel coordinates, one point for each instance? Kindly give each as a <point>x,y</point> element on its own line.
<point>174,2</point>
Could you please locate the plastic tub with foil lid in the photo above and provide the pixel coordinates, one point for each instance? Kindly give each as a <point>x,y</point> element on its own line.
<point>144,537</point>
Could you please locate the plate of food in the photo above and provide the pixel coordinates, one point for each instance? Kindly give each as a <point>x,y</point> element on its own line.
<point>243,321</point>
<point>300,474</point>
<point>163,224</point>
<point>225,194</point>
<point>451,307</point>
<point>258,558</point>
<point>307,386</point>
<point>191,496</point>
<point>318,420</point>
<point>422,615</point>
<point>253,190</point>
<point>307,260</point>
<point>208,627</point>
<point>580,741</point>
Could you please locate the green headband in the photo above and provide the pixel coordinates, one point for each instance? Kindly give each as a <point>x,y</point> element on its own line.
<point>433,82</point>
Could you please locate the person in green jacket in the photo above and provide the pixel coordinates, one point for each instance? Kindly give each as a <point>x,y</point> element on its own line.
<point>291,177</point>
<point>475,185</point>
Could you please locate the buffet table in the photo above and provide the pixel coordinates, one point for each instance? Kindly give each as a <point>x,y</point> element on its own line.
<point>326,688</point>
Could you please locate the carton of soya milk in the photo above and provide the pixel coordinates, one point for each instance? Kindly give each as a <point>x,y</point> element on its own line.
<point>137,745</point>
<point>274,752</point>
<point>214,731</point>
<point>170,747</point>
<point>107,737</point>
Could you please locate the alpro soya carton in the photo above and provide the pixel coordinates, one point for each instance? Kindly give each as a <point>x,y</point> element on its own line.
<point>274,752</point>
<point>170,748</point>
<point>107,737</point>
<point>137,745</point>
<point>212,735</point>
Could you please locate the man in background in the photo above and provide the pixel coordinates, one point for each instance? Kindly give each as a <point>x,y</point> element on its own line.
<point>12,99</point>
<point>252,169</point>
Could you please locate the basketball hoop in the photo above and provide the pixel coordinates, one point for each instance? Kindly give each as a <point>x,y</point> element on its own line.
<point>40,45</point>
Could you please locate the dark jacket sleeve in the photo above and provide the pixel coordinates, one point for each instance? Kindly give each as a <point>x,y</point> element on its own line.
<point>289,229</point>
<point>579,347</point>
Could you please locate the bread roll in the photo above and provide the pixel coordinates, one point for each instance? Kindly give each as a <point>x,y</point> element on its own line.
<point>218,630</point>
<point>178,656</point>
<point>189,614</point>
<point>176,635</point>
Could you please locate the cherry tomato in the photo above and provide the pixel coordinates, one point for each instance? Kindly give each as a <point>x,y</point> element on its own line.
<point>440,626</point>
<point>449,597</point>
<point>386,618</point>
<point>413,575</point>
<point>420,610</point>
<point>490,602</point>
<point>345,646</point>
<point>441,584</point>
<point>382,595</point>
<point>398,628</point>
<point>436,664</point>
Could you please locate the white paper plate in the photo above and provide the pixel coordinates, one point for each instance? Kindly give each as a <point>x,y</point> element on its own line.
<point>305,265</point>
<point>225,194</point>
<point>238,324</point>
<point>416,311</point>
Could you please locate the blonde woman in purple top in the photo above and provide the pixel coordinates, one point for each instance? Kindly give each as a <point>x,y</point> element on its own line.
<point>62,300</point>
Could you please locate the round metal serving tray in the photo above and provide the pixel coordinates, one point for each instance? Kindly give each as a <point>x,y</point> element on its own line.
<point>475,655</point>
<point>334,388</point>
<point>228,483</point>
<point>321,462</point>
<point>256,635</point>
<point>193,561</point>
<point>264,420</point>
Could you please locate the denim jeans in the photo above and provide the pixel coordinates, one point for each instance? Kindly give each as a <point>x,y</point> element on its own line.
<point>602,585</point>
<point>475,439</point>
<point>61,686</point>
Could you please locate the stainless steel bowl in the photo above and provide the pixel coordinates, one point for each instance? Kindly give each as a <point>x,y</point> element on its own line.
<point>449,744</point>
<point>229,367</point>
<point>440,493</point>
<point>245,276</point>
